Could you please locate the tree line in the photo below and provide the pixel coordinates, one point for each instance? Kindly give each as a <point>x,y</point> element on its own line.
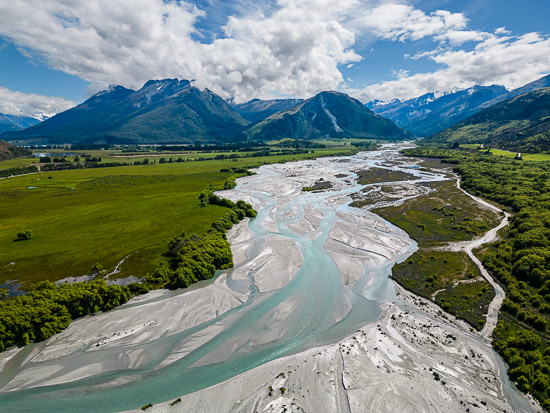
<point>48,309</point>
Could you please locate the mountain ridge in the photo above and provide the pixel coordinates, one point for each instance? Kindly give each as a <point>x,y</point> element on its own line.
<point>16,122</point>
<point>257,110</point>
<point>521,124</point>
<point>435,111</point>
<point>327,114</point>
<point>162,111</point>
<point>9,151</point>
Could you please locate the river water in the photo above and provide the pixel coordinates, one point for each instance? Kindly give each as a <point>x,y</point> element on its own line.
<point>314,308</point>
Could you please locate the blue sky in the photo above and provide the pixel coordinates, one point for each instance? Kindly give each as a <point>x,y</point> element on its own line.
<point>53,55</point>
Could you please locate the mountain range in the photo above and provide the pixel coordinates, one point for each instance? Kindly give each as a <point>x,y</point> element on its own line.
<point>434,112</point>
<point>327,114</point>
<point>521,124</point>
<point>15,122</point>
<point>174,111</point>
<point>162,111</point>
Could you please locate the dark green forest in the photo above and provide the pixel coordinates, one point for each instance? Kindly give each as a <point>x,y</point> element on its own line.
<point>520,261</point>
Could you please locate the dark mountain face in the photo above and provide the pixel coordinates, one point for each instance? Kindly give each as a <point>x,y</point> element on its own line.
<point>328,114</point>
<point>257,110</point>
<point>162,111</point>
<point>520,124</point>
<point>8,151</point>
<point>434,112</point>
<point>14,122</point>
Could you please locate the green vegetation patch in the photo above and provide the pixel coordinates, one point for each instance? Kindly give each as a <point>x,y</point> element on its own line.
<point>451,280</point>
<point>320,185</point>
<point>444,215</point>
<point>379,175</point>
<point>528,357</point>
<point>48,309</point>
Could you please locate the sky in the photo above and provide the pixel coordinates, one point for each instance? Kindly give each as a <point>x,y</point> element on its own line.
<point>55,54</point>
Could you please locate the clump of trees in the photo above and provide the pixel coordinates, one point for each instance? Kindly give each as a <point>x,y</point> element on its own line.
<point>24,235</point>
<point>48,309</point>
<point>194,258</point>
<point>18,171</point>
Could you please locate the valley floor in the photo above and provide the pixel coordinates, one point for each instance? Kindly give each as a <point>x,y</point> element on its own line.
<point>411,357</point>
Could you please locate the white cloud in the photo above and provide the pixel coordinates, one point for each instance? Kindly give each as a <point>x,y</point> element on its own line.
<point>502,30</point>
<point>458,37</point>
<point>295,50</point>
<point>511,62</point>
<point>29,104</point>
<point>403,22</point>
<point>277,47</point>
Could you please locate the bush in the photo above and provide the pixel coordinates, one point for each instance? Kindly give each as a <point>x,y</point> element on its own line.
<point>24,235</point>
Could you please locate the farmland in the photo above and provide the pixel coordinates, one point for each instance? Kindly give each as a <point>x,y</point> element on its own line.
<point>104,215</point>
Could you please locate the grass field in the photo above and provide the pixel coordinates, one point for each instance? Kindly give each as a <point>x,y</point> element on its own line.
<point>80,217</point>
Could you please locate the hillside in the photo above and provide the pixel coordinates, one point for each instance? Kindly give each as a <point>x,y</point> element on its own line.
<point>328,114</point>
<point>519,124</point>
<point>162,111</point>
<point>8,151</point>
<point>257,110</point>
<point>433,112</point>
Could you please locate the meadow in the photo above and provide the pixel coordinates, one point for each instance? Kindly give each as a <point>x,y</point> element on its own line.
<point>104,215</point>
<point>539,157</point>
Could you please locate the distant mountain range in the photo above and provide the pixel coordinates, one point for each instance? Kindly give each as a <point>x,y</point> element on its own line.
<point>521,124</point>
<point>434,112</point>
<point>14,122</point>
<point>162,111</point>
<point>327,115</point>
<point>173,111</point>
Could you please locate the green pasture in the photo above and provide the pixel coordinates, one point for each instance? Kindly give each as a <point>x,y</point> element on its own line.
<point>84,216</point>
<point>17,163</point>
<point>540,157</point>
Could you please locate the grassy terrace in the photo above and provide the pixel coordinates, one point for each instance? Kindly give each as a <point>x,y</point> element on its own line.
<point>444,215</point>
<point>449,279</point>
<point>102,215</point>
